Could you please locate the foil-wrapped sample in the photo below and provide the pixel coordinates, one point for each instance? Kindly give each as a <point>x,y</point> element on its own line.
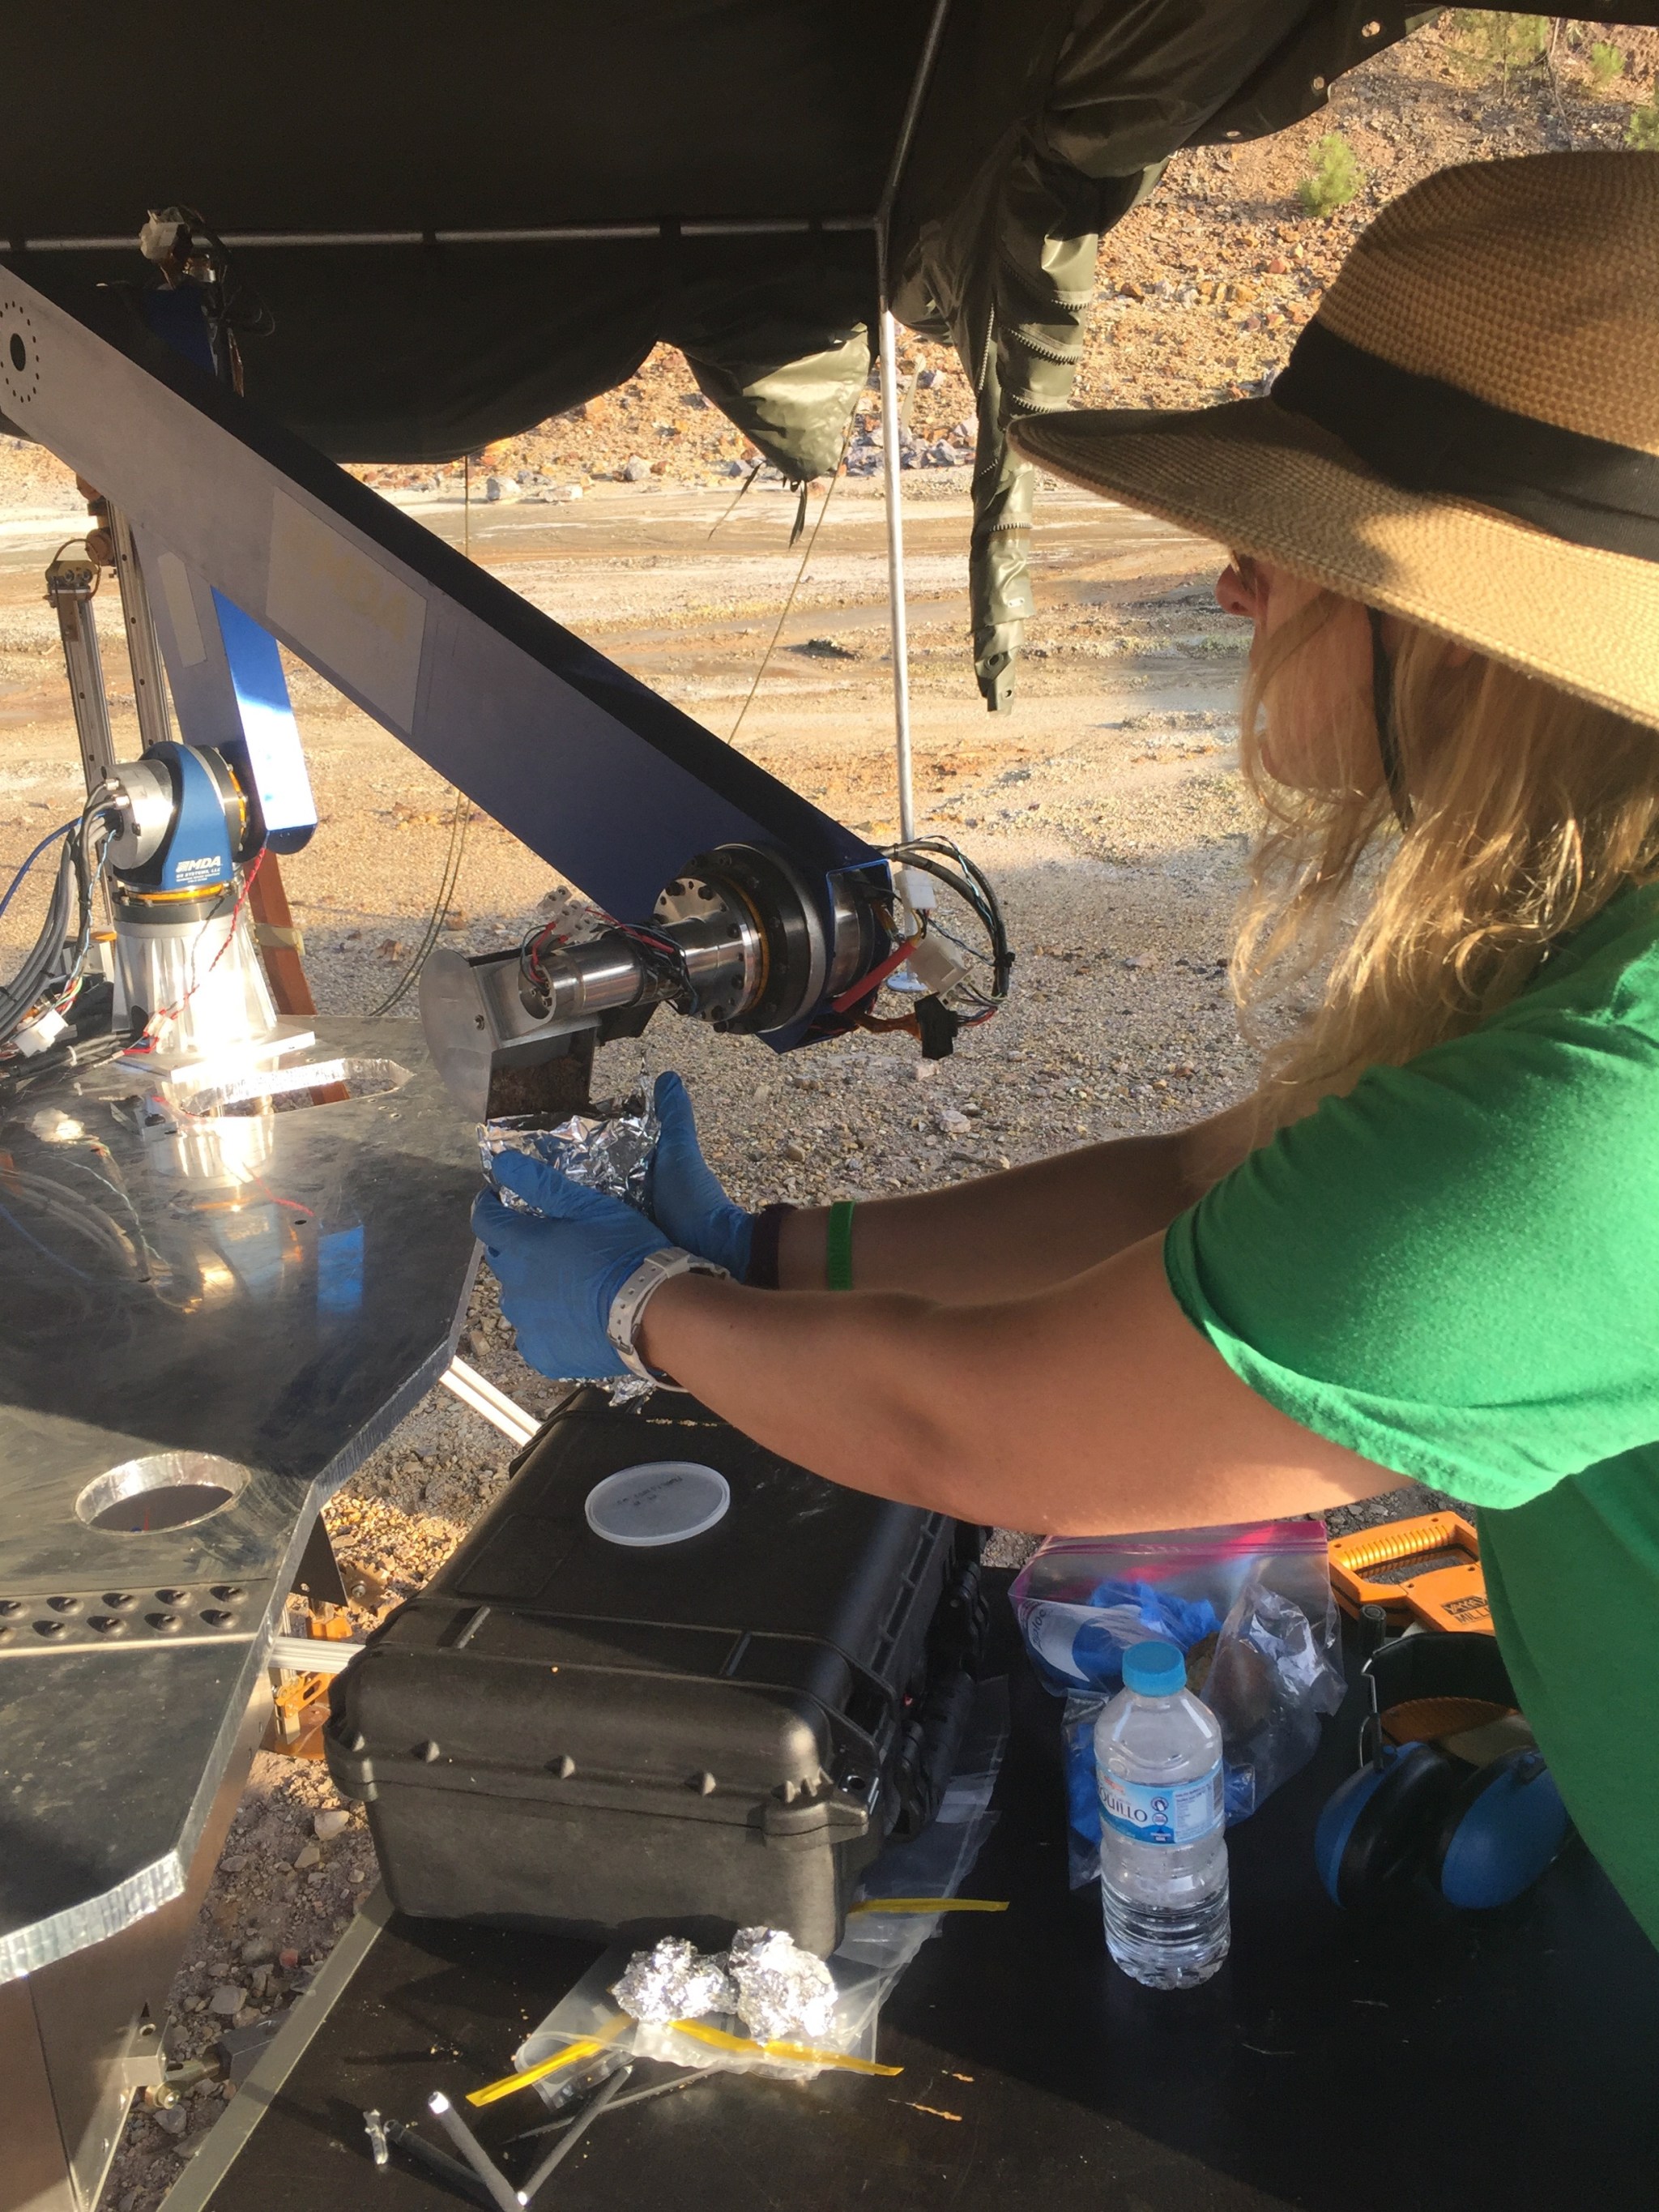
<point>784,1994</point>
<point>675,1981</point>
<point>609,1151</point>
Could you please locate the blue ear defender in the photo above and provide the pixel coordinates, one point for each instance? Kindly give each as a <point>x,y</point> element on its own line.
<point>1504,1825</point>
<point>1479,1835</point>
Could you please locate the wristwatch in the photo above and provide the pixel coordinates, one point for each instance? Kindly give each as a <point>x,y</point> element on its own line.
<point>622,1324</point>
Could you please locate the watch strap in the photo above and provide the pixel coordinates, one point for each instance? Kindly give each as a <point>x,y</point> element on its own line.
<point>623,1321</point>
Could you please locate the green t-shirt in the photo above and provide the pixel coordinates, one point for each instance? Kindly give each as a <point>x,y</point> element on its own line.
<point>1455,1272</point>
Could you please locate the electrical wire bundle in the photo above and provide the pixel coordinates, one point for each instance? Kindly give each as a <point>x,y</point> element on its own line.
<point>54,969</point>
<point>184,246</point>
<point>662,958</point>
<point>972,997</point>
<point>949,865</point>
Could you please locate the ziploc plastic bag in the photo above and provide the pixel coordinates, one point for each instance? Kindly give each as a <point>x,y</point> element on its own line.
<point>587,2035</point>
<point>1249,1605</point>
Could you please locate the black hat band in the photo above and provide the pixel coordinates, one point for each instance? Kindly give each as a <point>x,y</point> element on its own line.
<point>1424,435</point>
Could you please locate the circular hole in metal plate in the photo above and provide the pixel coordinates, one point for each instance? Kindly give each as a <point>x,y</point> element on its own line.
<point>661,1501</point>
<point>163,1489</point>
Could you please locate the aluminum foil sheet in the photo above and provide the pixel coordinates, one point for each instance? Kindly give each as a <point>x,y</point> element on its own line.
<point>675,1981</point>
<point>609,1151</point>
<point>784,1994</point>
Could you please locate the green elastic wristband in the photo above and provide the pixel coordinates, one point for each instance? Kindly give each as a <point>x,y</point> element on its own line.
<point>838,1246</point>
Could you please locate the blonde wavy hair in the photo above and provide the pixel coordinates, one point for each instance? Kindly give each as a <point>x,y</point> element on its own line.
<point>1530,811</point>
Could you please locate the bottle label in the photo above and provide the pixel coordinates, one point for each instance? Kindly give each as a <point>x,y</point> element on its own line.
<point>1164,1813</point>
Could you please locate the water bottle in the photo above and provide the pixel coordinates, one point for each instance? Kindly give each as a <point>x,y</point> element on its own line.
<point>1163,1844</point>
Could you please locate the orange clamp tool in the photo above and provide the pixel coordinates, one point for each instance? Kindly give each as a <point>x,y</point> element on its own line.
<point>1426,1569</point>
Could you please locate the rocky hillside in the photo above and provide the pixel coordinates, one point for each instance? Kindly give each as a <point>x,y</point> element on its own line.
<point>1201,291</point>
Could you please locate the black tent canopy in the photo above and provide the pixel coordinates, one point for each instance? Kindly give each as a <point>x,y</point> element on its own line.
<point>713,172</point>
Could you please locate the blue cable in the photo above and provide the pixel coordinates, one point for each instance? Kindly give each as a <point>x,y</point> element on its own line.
<point>51,838</point>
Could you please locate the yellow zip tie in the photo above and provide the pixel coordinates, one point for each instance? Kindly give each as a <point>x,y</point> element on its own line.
<point>931,1905</point>
<point>719,2039</point>
<point>588,2047</point>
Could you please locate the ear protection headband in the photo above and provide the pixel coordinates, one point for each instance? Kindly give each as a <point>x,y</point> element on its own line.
<point>1480,1834</point>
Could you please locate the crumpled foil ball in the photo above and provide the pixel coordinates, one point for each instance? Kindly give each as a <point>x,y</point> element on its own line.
<point>782,1992</point>
<point>674,1981</point>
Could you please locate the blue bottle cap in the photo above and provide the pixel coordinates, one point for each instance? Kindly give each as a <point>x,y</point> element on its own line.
<point>1156,1668</point>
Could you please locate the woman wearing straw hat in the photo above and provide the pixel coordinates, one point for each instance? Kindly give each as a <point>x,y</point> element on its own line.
<point>1429,1245</point>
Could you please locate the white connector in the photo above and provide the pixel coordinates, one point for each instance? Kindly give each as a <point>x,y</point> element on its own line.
<point>935,966</point>
<point>41,1034</point>
<point>919,891</point>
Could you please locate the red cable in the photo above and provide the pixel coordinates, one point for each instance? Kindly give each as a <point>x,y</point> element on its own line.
<point>872,982</point>
<point>147,1043</point>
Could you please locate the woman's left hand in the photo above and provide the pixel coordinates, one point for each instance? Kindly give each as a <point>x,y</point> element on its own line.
<point>559,1273</point>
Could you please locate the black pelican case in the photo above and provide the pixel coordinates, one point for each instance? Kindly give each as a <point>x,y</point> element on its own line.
<point>561,1732</point>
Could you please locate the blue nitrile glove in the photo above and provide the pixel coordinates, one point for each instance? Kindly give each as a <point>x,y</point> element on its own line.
<point>558,1275</point>
<point>686,1197</point>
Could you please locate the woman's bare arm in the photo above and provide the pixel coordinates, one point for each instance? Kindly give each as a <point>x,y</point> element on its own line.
<point>1001,1235</point>
<point>1085,1407</point>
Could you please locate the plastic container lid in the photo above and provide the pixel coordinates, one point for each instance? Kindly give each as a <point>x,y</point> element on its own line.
<point>1155,1668</point>
<point>662,1501</point>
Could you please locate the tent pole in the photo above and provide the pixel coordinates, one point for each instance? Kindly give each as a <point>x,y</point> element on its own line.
<point>891,459</point>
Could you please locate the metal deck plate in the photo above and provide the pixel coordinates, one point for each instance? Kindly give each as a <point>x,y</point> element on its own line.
<point>275,1290</point>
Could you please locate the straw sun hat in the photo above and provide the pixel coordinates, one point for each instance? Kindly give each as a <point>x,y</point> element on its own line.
<point>1467,433</point>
